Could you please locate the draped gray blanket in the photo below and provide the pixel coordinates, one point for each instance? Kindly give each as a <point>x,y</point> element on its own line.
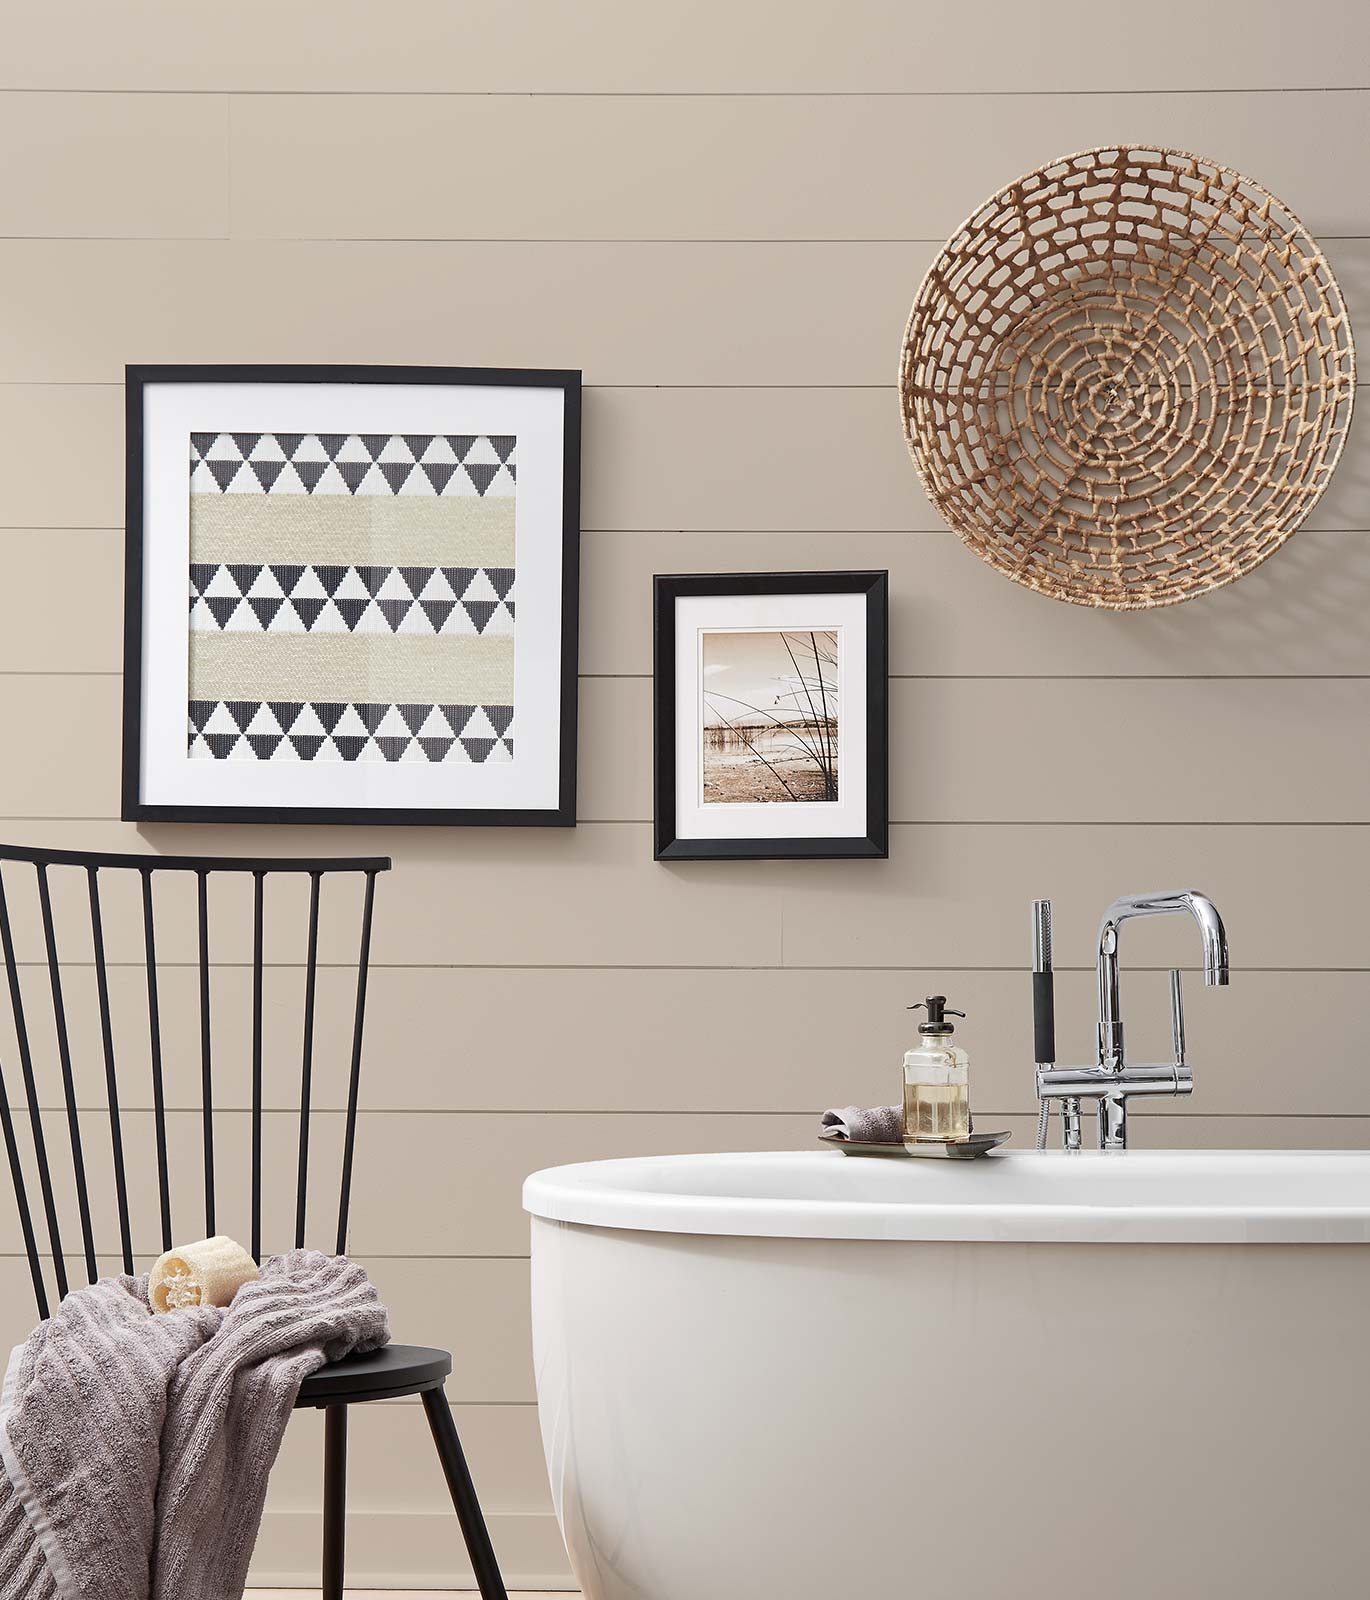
<point>136,1448</point>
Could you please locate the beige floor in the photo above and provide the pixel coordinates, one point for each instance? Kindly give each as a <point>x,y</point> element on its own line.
<point>388,1594</point>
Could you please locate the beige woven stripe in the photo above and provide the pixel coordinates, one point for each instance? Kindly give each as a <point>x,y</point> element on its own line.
<point>462,668</point>
<point>369,530</point>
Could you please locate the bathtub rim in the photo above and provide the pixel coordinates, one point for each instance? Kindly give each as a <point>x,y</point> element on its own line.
<point>580,1193</point>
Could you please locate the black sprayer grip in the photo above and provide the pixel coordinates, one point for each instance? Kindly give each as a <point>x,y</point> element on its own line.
<point>1043,1017</point>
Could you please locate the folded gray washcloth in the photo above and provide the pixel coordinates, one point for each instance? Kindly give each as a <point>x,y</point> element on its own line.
<point>865,1124</point>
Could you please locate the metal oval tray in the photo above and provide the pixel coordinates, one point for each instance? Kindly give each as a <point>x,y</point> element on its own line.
<point>979,1144</point>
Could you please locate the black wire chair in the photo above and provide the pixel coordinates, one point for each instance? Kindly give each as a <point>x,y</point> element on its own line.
<point>396,1370</point>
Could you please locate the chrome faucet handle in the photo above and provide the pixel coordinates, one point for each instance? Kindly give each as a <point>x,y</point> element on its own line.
<point>1177,1015</point>
<point>1043,986</point>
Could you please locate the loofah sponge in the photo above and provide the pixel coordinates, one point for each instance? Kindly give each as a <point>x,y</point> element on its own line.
<point>207,1273</point>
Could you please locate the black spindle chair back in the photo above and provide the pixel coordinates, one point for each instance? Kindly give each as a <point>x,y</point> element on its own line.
<point>31,943</point>
<point>38,1000</point>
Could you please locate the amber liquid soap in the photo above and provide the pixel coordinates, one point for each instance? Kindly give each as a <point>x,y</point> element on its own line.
<point>937,1111</point>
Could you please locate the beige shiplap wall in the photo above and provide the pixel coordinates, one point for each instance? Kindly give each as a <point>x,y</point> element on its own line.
<point>720,213</point>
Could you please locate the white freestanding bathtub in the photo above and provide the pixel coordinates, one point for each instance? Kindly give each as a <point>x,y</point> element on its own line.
<point>816,1377</point>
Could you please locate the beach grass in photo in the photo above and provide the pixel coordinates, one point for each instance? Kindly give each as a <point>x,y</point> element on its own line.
<point>769,724</point>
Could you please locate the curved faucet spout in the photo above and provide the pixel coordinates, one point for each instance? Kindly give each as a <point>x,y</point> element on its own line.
<point>1211,931</point>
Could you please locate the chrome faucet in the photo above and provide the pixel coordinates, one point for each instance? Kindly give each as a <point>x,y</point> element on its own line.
<point>1112,1082</point>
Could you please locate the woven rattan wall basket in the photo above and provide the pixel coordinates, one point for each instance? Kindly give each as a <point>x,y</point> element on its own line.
<point>1128,377</point>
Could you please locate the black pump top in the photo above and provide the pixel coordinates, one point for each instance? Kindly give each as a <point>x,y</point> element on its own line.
<point>936,1007</point>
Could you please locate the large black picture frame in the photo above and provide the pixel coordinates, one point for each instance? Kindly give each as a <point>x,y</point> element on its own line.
<point>667,590</point>
<point>134,808</point>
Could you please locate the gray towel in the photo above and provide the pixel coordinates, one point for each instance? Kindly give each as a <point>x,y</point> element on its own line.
<point>865,1125</point>
<point>136,1447</point>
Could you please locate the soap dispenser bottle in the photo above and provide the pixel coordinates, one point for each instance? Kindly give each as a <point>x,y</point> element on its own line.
<point>936,1079</point>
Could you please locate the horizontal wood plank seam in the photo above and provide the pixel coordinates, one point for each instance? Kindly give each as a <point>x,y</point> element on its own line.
<point>906,821</point>
<point>839,535</point>
<point>682,94</point>
<point>382,239</point>
<point>842,534</point>
<point>67,965</point>
<point>894,677</point>
<point>589,388</point>
<point>125,1107</point>
<point>899,677</point>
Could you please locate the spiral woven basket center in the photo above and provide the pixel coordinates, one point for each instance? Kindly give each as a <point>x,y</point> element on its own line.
<point>1128,377</point>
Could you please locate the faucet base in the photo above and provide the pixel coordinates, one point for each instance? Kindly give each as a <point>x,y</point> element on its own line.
<point>1113,1123</point>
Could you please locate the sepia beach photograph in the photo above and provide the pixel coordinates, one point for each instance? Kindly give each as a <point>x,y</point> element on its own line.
<point>770,716</point>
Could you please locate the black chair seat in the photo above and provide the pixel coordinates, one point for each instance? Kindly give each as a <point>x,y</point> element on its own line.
<point>394,1369</point>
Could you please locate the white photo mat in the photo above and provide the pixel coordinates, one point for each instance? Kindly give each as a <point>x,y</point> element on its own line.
<point>698,615</point>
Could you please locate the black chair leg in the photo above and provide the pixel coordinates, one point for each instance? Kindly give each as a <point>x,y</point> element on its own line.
<point>463,1492</point>
<point>334,1499</point>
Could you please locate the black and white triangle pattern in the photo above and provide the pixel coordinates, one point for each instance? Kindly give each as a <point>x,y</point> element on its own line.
<point>296,597</point>
<point>426,464</point>
<point>280,730</point>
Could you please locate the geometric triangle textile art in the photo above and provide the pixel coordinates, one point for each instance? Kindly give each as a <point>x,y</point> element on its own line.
<point>352,597</point>
<point>244,730</point>
<point>424,464</point>
<point>298,597</point>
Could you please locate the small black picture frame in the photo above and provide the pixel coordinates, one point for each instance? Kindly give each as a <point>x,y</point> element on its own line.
<point>540,793</point>
<point>774,733</point>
